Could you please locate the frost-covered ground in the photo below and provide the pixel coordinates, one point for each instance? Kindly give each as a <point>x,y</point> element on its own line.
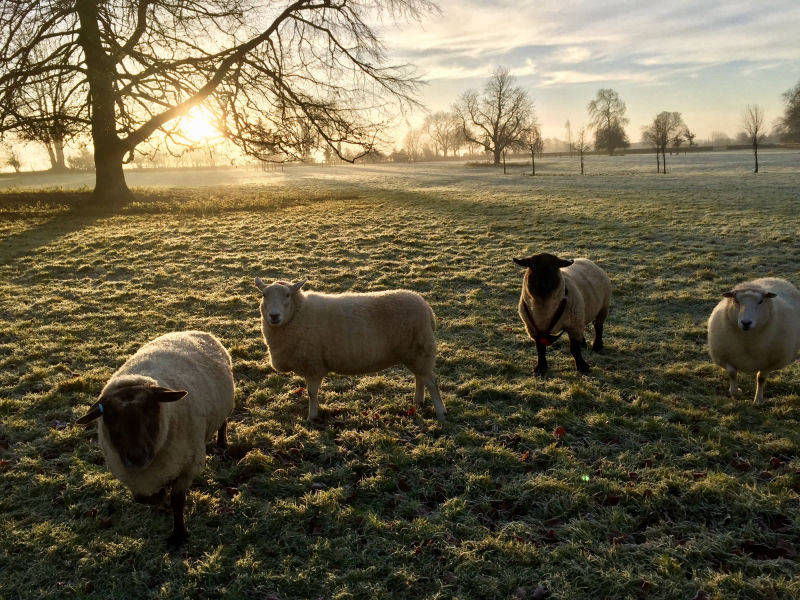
<point>661,487</point>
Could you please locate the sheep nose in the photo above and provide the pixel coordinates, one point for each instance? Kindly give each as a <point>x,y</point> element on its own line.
<point>746,325</point>
<point>274,317</point>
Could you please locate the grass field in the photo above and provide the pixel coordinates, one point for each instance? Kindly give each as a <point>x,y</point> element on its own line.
<point>662,486</point>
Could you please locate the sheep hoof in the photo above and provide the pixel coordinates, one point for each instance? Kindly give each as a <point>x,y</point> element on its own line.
<point>583,368</point>
<point>177,539</point>
<point>540,371</point>
<point>597,348</point>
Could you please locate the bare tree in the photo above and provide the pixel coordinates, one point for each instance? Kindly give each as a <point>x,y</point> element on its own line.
<point>753,120</point>
<point>13,159</point>
<point>662,131</point>
<point>51,109</point>
<point>412,144</point>
<point>531,139</point>
<point>607,117</point>
<point>789,123</point>
<point>444,130</point>
<point>258,67</point>
<point>582,144</point>
<point>689,137</point>
<point>495,119</point>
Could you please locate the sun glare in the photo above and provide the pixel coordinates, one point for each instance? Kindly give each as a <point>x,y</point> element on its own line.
<point>197,127</point>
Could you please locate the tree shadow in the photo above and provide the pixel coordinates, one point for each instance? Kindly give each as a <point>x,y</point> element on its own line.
<point>53,215</point>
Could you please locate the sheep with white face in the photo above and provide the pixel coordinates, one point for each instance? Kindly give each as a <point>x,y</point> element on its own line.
<point>755,328</point>
<point>313,334</point>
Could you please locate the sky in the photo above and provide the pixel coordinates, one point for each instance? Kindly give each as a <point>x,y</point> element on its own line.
<point>705,59</point>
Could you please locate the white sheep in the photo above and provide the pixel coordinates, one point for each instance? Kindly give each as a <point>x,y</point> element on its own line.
<point>158,412</point>
<point>563,295</point>
<point>755,328</point>
<point>312,334</point>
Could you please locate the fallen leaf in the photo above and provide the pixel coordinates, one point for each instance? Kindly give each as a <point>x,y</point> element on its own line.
<point>411,411</point>
<point>560,431</point>
<point>299,391</point>
<point>775,462</point>
<point>699,476</point>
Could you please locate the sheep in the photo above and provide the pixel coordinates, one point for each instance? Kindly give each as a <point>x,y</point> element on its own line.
<point>755,328</point>
<point>158,411</point>
<point>563,295</point>
<point>312,334</point>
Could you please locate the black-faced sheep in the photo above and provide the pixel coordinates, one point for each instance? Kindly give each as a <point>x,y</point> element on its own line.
<point>157,412</point>
<point>563,295</point>
<point>312,334</point>
<point>755,328</point>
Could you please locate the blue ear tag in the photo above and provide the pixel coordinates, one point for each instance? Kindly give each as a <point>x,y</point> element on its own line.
<point>100,406</point>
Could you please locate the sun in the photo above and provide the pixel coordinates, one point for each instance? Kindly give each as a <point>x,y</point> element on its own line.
<point>197,127</point>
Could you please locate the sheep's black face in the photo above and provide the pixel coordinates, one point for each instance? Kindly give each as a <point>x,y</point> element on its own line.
<point>131,417</point>
<point>544,273</point>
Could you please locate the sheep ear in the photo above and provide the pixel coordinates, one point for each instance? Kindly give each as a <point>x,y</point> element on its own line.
<point>167,395</point>
<point>522,262</point>
<point>770,295</point>
<point>564,262</point>
<point>729,294</point>
<point>296,287</point>
<point>93,414</point>
<point>259,284</point>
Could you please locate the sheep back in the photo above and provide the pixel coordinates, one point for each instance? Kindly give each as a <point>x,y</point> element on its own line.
<point>353,333</point>
<point>193,361</point>
<point>588,293</point>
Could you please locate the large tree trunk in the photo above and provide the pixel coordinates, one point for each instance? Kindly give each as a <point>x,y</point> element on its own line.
<point>59,164</point>
<point>658,161</point>
<point>664,156</point>
<point>497,156</point>
<point>110,186</point>
<point>533,164</point>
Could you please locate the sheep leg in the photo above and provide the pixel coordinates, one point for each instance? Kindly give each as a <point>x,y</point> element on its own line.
<point>541,364</point>
<point>597,346</point>
<point>419,393</point>
<point>222,436</point>
<point>733,388</point>
<point>312,385</point>
<point>177,500</point>
<point>438,405</point>
<point>575,344</point>
<point>761,382</point>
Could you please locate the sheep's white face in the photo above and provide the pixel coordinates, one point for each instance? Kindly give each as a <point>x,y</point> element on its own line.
<point>751,307</point>
<point>277,302</point>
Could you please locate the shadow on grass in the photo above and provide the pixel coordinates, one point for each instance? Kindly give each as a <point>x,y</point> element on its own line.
<point>58,214</point>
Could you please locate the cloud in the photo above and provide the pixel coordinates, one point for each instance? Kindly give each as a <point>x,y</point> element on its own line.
<point>633,41</point>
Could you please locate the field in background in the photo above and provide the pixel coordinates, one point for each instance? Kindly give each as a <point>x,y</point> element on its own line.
<point>734,164</point>
<point>661,487</point>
